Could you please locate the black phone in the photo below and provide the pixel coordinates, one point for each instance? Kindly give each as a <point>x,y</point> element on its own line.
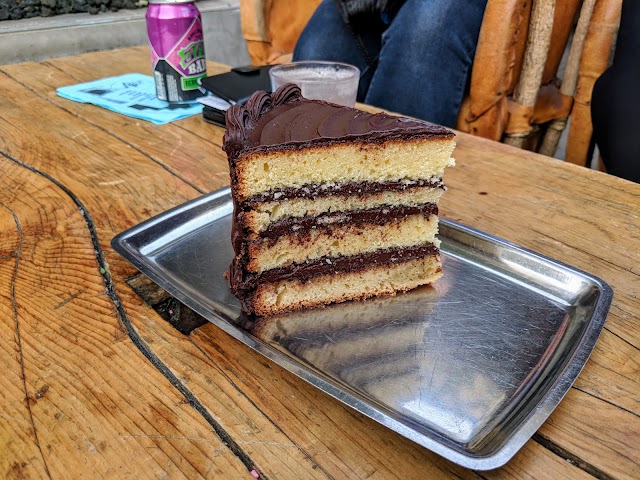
<point>233,87</point>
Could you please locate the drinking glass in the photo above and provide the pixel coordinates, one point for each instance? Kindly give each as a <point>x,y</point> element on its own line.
<point>329,81</point>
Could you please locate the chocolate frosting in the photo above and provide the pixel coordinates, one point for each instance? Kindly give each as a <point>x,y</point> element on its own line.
<point>286,120</point>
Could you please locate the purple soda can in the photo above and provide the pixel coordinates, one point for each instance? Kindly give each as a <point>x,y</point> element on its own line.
<point>177,49</point>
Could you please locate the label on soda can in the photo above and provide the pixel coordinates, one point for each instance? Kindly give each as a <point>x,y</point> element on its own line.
<point>177,74</point>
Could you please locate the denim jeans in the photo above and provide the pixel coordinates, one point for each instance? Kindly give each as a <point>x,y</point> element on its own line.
<point>418,64</point>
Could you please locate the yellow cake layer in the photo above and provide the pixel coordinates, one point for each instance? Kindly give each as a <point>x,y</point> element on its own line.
<point>343,240</point>
<point>268,212</point>
<point>280,297</point>
<point>343,163</point>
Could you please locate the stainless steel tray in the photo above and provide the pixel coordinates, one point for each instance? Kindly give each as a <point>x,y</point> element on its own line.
<point>469,368</point>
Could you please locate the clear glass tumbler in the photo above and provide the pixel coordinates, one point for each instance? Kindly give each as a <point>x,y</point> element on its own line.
<point>329,81</point>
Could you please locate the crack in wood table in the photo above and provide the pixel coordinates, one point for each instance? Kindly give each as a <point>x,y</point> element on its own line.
<point>97,381</point>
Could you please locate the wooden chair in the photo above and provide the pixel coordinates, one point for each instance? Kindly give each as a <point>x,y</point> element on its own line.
<point>515,95</point>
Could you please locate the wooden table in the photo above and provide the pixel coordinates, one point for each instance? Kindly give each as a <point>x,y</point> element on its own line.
<point>96,384</point>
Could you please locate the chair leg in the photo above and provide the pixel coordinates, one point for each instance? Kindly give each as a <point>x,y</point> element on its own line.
<point>570,78</point>
<point>552,137</point>
<point>540,29</point>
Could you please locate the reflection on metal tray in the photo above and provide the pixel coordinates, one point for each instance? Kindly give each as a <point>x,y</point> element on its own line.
<point>469,368</point>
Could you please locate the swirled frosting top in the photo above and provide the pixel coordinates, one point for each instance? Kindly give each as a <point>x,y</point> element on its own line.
<point>285,119</point>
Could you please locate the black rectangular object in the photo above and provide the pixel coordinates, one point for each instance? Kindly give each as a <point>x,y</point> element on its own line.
<point>237,85</point>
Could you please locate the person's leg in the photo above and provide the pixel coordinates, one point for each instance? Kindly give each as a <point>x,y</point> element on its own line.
<point>328,37</point>
<point>426,59</point>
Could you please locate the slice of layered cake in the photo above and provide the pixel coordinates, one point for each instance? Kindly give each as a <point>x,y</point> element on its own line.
<point>330,203</point>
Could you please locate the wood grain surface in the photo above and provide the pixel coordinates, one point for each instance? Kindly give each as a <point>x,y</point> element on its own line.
<point>97,384</point>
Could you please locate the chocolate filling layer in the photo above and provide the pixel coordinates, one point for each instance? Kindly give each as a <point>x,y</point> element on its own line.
<point>346,189</point>
<point>373,216</point>
<point>326,265</point>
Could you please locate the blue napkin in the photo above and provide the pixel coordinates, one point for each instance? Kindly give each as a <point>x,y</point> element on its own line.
<point>133,94</point>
